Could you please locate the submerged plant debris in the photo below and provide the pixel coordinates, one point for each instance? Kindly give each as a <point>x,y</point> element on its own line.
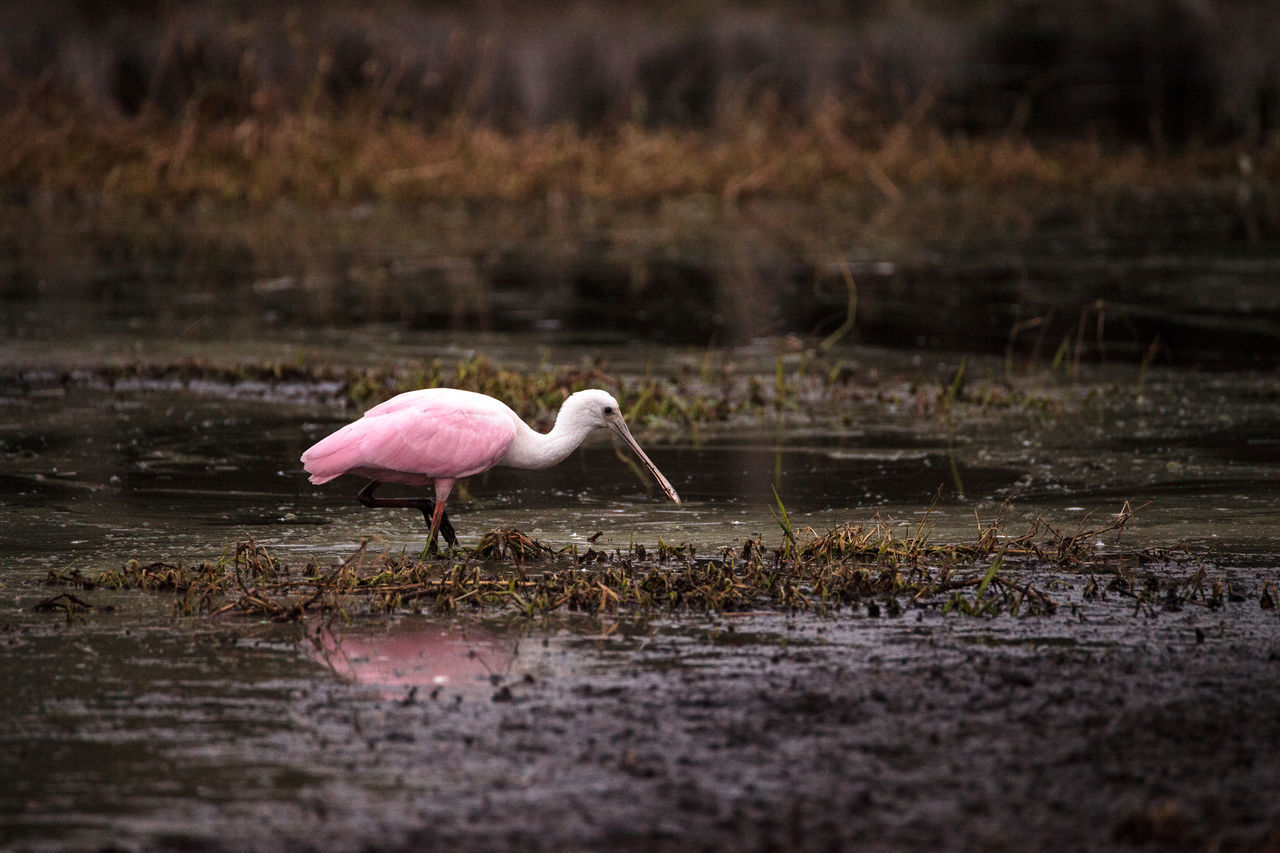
<point>848,567</point>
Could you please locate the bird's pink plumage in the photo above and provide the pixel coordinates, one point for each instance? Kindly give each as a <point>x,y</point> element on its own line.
<point>417,438</point>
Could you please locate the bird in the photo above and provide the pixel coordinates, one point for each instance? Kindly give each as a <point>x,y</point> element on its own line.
<point>437,436</point>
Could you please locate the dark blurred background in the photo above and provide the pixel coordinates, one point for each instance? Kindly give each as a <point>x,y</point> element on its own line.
<point>1165,72</point>
<point>993,175</point>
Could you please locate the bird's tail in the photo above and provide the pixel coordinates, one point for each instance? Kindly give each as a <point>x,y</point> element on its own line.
<point>328,458</point>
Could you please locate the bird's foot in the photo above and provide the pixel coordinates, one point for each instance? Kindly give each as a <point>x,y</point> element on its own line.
<point>446,528</point>
<point>432,548</point>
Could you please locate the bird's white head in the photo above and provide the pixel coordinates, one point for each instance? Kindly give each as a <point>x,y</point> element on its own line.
<point>595,409</point>
<point>591,409</point>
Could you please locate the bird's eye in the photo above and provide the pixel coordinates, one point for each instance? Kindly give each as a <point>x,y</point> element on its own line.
<point>608,410</point>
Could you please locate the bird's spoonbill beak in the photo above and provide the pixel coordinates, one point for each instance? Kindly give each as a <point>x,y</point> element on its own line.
<point>618,425</point>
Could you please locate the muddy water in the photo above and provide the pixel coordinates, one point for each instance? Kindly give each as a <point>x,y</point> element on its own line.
<point>145,733</point>
<point>1186,276</point>
<point>100,475</point>
<point>1101,725</point>
<point>143,730</point>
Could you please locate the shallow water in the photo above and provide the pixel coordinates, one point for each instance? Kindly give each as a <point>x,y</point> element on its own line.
<point>1175,279</point>
<point>135,728</point>
<point>99,476</point>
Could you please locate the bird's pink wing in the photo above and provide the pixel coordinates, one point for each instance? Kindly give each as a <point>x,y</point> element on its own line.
<point>438,441</point>
<point>424,437</point>
<point>430,398</point>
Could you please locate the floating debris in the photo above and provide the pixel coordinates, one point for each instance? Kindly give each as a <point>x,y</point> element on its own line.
<point>719,391</point>
<point>851,567</point>
<point>72,606</point>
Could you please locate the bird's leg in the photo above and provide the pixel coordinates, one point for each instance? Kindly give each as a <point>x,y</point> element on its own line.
<point>433,515</point>
<point>437,520</point>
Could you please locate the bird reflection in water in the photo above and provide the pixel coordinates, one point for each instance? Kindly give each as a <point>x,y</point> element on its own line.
<point>416,655</point>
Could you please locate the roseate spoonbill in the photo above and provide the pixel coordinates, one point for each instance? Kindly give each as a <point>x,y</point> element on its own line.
<point>440,435</point>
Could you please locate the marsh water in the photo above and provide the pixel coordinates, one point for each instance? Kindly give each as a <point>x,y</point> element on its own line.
<point>133,728</point>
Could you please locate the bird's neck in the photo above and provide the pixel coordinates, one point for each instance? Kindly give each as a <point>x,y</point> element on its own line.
<point>536,450</point>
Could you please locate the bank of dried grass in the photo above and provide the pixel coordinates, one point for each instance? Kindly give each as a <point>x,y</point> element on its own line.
<point>345,158</point>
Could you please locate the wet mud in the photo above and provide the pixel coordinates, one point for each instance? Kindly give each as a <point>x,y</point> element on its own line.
<point>750,731</point>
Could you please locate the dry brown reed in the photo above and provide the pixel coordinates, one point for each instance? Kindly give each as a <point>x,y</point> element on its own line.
<point>345,159</point>
<point>400,102</point>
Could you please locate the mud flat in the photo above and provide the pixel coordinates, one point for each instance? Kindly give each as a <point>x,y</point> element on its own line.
<point>1105,725</point>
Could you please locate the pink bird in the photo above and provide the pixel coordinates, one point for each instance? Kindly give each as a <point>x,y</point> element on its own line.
<point>437,436</point>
